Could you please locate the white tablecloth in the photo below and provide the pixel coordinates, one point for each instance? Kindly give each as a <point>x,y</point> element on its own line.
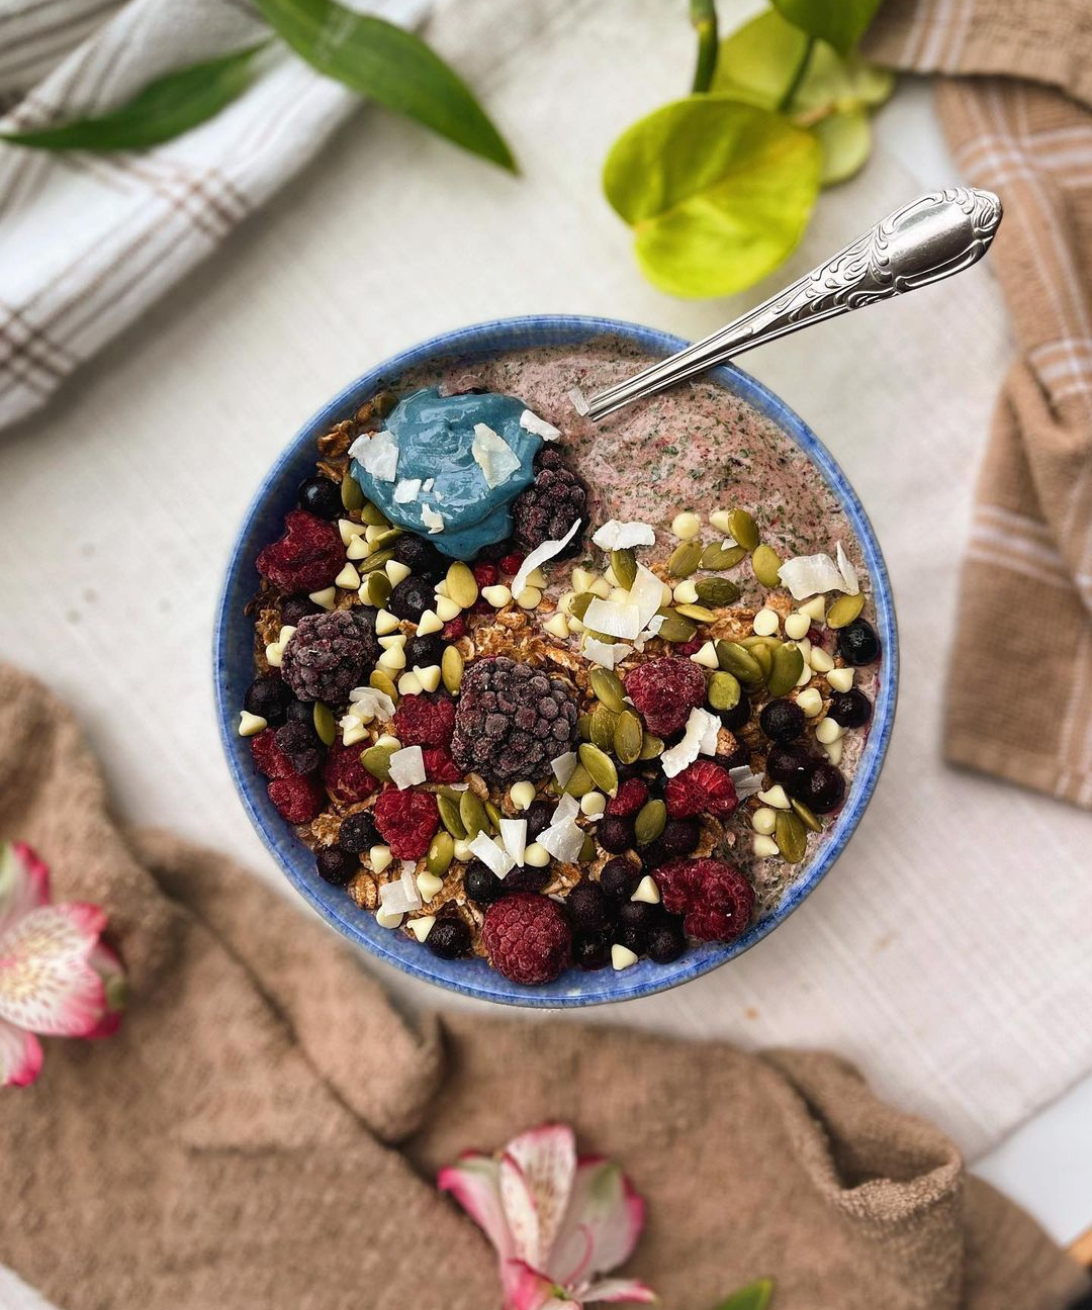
<point>945,952</point>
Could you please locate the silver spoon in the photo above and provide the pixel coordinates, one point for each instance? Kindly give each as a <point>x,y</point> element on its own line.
<point>937,235</point>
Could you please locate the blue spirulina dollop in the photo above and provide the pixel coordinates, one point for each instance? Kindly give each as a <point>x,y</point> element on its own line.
<point>435,435</point>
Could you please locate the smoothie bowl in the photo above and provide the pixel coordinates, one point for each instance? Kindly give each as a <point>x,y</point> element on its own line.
<point>547,712</point>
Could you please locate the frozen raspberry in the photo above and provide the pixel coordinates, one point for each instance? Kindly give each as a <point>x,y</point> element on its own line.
<point>527,938</point>
<point>424,721</point>
<point>347,780</point>
<point>545,511</point>
<point>298,800</point>
<point>485,574</point>
<point>454,629</point>
<point>715,899</point>
<point>702,788</point>
<point>689,648</point>
<point>512,563</point>
<point>268,756</point>
<point>439,766</point>
<point>308,557</point>
<point>664,691</point>
<point>330,654</point>
<point>632,794</point>
<point>407,821</point>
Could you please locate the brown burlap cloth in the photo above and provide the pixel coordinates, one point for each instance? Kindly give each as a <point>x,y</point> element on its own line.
<point>265,1129</point>
<point>1020,694</point>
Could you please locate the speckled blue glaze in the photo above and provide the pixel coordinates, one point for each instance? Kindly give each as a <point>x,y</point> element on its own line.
<point>435,437</point>
<point>232,650</point>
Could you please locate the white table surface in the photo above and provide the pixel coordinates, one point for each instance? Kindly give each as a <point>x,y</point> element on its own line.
<point>139,473</point>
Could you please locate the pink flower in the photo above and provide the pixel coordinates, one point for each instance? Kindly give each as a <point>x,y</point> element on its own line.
<point>557,1221</point>
<point>57,977</point>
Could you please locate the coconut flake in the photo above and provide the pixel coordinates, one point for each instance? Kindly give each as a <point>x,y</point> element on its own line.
<point>368,703</point>
<point>850,586</point>
<point>615,618</point>
<point>564,837</point>
<point>402,896</point>
<point>514,835</point>
<point>745,782</point>
<point>491,855</point>
<point>808,575</point>
<point>564,767</point>
<point>407,767</point>
<point>647,593</point>
<point>615,535</point>
<point>710,733</point>
<point>604,653</point>
<point>433,521</point>
<point>378,455</point>
<point>406,490</point>
<point>531,422</point>
<point>494,456</point>
<point>428,484</point>
<point>695,741</point>
<point>539,556</point>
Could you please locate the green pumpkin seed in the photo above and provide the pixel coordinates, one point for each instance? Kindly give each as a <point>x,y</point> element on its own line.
<point>377,760</point>
<point>766,562</point>
<point>472,812</point>
<point>387,538</point>
<point>717,556</point>
<point>351,495</point>
<point>628,737</point>
<point>724,691</point>
<point>791,836</point>
<point>607,687</point>
<point>696,612</point>
<point>451,669</point>
<point>495,815</point>
<point>580,783</point>
<point>462,586</point>
<point>810,820</point>
<point>743,528</point>
<point>325,723</point>
<point>377,560</point>
<point>600,765</point>
<point>603,722</point>
<point>583,727</point>
<point>676,628</point>
<point>578,606</point>
<point>450,817</point>
<point>763,657</point>
<point>624,565</point>
<point>441,852</point>
<point>373,516</point>
<point>788,664</point>
<point>651,821</point>
<point>684,559</point>
<point>651,747</point>
<point>376,589</point>
<point>844,610</point>
<point>588,851</point>
<point>736,659</point>
<point>382,681</point>
<point>716,591</point>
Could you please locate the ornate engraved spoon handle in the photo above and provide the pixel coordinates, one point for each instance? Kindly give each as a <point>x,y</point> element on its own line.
<point>937,235</point>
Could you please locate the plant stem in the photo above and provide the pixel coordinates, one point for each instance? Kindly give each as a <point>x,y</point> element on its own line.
<point>797,78</point>
<point>703,16</point>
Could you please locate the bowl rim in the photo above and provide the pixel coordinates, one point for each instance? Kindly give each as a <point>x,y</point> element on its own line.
<point>476,978</point>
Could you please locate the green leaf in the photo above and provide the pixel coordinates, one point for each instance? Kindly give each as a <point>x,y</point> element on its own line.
<point>389,65</point>
<point>719,192</point>
<point>846,138</point>
<point>841,23</point>
<point>755,1296</point>
<point>164,109</point>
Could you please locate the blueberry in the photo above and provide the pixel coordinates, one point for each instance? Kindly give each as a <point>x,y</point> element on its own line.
<point>636,919</point>
<point>858,643</point>
<point>619,878</point>
<point>587,906</point>
<point>739,757</point>
<point>294,608</point>
<point>680,836</point>
<point>358,833</point>
<point>822,787</point>
<point>336,865</point>
<point>298,742</point>
<point>299,711</point>
<point>482,885</point>
<point>786,764</point>
<point>782,720</point>
<point>539,816</point>
<point>411,598</point>
<point>321,497</point>
<point>615,833</point>
<point>421,556</point>
<point>592,951</point>
<point>852,709</point>
<point>739,715</point>
<point>448,938</point>
<point>666,940</point>
<point>269,697</point>
<point>423,652</point>
<point>527,879</point>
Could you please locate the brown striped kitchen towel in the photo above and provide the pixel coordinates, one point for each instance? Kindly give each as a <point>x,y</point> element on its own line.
<point>1015,98</point>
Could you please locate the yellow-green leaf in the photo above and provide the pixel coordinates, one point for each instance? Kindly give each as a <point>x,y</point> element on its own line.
<point>718,192</point>
<point>846,138</point>
<point>389,65</point>
<point>841,23</point>
<point>755,1296</point>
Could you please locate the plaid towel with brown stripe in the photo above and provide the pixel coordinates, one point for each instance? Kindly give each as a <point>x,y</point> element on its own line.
<point>88,241</point>
<point>1020,693</point>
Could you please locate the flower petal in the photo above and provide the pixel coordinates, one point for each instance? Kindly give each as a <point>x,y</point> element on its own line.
<point>603,1223</point>
<point>527,1289</point>
<point>474,1183</point>
<point>618,1289</point>
<point>24,883</point>
<point>47,984</point>
<point>536,1179</point>
<point>20,1056</point>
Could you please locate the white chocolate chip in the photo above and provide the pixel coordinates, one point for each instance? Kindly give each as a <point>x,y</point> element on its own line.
<point>358,549</point>
<point>385,623</point>
<point>441,587</point>
<point>601,588</point>
<point>386,919</point>
<point>564,602</point>
<point>286,634</point>
<point>528,598</point>
<point>706,656</point>
<point>250,724</point>
<point>621,957</point>
<point>720,520</point>
<point>815,609</point>
<point>797,626</point>
<point>446,609</point>
<point>686,592</point>
<point>686,525</point>
<point>428,622</point>
<point>806,674</point>
<point>764,846</point>
<point>409,684</point>
<point>394,659</point>
<point>764,820</point>
<point>575,625</point>
<point>396,571</point>
<point>833,750</point>
<point>349,530</point>
<point>537,856</point>
<point>497,596</point>
<point>273,653</point>
<point>463,853</point>
<point>355,732</point>
<point>379,857</point>
<point>776,797</point>
<point>375,530</point>
<point>557,626</point>
<point>393,640</point>
<point>841,679</point>
<point>827,732</point>
<point>521,794</point>
<point>422,926</point>
<point>429,885</point>
<point>593,804</point>
<point>819,660</point>
<point>647,891</point>
<point>536,578</point>
<point>810,702</point>
<point>348,578</point>
<point>583,579</point>
<point>429,677</point>
<point>766,623</point>
<point>619,596</point>
<point>325,599</point>
<point>389,739</point>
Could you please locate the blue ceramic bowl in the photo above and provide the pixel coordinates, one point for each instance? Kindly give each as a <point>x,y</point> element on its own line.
<point>232,665</point>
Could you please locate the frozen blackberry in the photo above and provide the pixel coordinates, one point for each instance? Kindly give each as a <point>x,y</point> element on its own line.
<point>852,709</point>
<point>666,940</point>
<point>858,643</point>
<point>782,720</point>
<point>619,878</point>
<point>592,950</point>
<point>511,721</point>
<point>546,510</point>
<point>539,816</point>
<point>336,865</point>
<point>358,833</point>
<point>482,885</point>
<point>615,833</point>
<point>587,906</point>
<point>412,597</point>
<point>448,938</point>
<point>294,608</point>
<point>739,715</point>
<point>298,743</point>
<point>423,652</point>
<point>268,697</point>
<point>421,556</point>
<point>329,654</point>
<point>321,497</point>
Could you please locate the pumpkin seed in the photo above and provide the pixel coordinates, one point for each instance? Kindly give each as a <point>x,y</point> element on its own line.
<point>578,606</point>
<point>462,586</point>
<point>651,747</point>
<point>587,850</point>
<point>376,589</point>
<point>743,528</point>
<point>763,657</point>
<point>749,643</point>
<point>607,687</point>
<point>736,659</point>
<point>844,610</point>
<point>716,591</point>
<point>791,836</point>
<point>624,564</point>
<point>628,737</point>
<point>472,812</point>
<point>377,560</point>
<point>377,760</point>
<point>450,818</point>
<point>651,821</point>
<point>696,612</point>
<point>788,664</point>
<point>580,783</point>
<point>603,723</point>
<point>495,815</point>
<point>717,556</point>
<point>810,820</point>
<point>684,559</point>
<point>451,669</point>
<point>325,723</point>
<point>382,681</point>
<point>600,766</point>
<point>441,852</point>
<point>373,516</point>
<point>583,727</point>
<point>387,538</point>
<point>676,627</point>
<point>351,495</point>
<point>724,691</point>
<point>766,562</point>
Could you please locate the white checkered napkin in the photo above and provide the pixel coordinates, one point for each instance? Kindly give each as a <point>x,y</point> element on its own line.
<point>88,241</point>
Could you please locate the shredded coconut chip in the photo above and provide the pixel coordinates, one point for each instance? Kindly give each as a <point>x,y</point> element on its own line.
<point>615,618</point>
<point>514,835</point>
<point>700,738</point>
<point>531,422</point>
<point>378,455</point>
<point>604,653</point>
<point>539,556</point>
<point>808,575</point>
<point>407,767</point>
<point>433,521</point>
<point>490,854</point>
<point>745,782</point>
<point>615,535</point>
<point>564,767</point>
<point>851,586</point>
<point>494,456</point>
<point>407,490</point>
